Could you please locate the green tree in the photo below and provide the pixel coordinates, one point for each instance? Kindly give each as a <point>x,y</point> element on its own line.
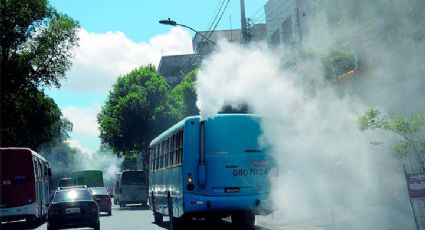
<point>184,96</point>
<point>137,109</point>
<point>338,63</point>
<point>36,43</point>
<point>409,129</point>
<point>61,156</point>
<point>34,120</point>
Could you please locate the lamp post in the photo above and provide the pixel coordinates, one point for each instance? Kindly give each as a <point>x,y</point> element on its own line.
<point>174,23</point>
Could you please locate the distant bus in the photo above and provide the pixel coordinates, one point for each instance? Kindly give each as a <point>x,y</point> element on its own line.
<point>132,188</point>
<point>65,182</point>
<point>210,169</point>
<point>90,178</point>
<point>24,184</point>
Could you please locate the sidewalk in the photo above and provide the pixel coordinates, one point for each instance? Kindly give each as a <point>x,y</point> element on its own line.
<point>343,218</point>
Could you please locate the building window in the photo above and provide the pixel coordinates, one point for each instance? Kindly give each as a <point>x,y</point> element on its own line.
<point>287,38</point>
<point>275,38</point>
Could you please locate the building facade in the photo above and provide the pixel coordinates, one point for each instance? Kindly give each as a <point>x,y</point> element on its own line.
<point>174,67</point>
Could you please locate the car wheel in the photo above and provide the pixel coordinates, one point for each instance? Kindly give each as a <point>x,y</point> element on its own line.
<point>158,218</point>
<point>110,212</point>
<point>50,227</point>
<point>97,226</point>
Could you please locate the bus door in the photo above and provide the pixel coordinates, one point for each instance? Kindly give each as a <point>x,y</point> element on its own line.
<point>38,185</point>
<point>235,162</point>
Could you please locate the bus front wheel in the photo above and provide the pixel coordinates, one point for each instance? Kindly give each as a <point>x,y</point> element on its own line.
<point>158,217</point>
<point>243,219</point>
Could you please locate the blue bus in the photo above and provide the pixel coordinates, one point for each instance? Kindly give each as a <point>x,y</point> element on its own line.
<point>210,169</point>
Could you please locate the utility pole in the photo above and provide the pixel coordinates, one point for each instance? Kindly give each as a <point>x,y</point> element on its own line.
<point>243,23</point>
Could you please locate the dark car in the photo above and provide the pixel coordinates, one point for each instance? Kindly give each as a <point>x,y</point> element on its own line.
<point>103,198</point>
<point>73,208</point>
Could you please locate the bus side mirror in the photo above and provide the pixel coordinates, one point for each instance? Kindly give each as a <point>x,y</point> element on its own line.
<point>49,172</point>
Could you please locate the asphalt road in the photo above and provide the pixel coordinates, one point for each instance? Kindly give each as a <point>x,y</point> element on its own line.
<point>133,217</point>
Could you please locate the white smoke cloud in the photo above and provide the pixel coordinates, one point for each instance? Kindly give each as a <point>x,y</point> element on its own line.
<point>326,165</point>
<point>330,176</point>
<point>75,144</point>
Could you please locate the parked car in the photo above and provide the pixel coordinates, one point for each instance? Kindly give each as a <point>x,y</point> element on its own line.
<point>74,208</point>
<point>103,198</point>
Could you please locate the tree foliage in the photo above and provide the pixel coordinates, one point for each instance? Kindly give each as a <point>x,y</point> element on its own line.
<point>34,120</point>
<point>410,129</point>
<point>137,109</point>
<point>338,63</point>
<point>36,43</point>
<point>61,156</point>
<point>184,96</point>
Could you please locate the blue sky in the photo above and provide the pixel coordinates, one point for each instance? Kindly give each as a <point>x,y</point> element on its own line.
<point>117,36</point>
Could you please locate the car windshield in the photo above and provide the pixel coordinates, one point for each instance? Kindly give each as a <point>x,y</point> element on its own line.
<point>72,195</point>
<point>99,191</point>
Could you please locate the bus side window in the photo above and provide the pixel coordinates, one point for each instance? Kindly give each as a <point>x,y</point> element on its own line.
<point>167,146</point>
<point>180,147</point>
<point>35,169</point>
<point>156,157</point>
<point>41,171</point>
<point>172,149</point>
<point>46,172</point>
<point>151,151</point>
<point>161,154</point>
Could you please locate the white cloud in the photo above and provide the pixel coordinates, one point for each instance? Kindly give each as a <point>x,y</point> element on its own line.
<point>83,119</point>
<point>102,57</point>
<point>75,144</point>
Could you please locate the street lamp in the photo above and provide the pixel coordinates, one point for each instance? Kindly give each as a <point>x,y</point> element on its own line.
<point>174,23</point>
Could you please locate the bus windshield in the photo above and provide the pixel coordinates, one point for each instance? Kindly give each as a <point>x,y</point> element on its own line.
<point>133,178</point>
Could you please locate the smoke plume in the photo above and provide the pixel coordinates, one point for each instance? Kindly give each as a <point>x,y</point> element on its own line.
<point>330,176</point>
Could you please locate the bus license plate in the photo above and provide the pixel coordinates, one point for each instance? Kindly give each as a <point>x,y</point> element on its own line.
<point>232,189</point>
<point>250,172</point>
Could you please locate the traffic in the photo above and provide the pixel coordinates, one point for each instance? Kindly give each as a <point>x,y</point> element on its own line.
<point>199,170</point>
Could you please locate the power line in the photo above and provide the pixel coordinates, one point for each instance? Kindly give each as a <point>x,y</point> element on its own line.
<point>187,65</point>
<point>256,12</point>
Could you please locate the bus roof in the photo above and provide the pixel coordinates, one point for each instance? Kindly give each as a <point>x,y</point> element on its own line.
<point>23,149</point>
<point>181,123</point>
<point>172,129</point>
